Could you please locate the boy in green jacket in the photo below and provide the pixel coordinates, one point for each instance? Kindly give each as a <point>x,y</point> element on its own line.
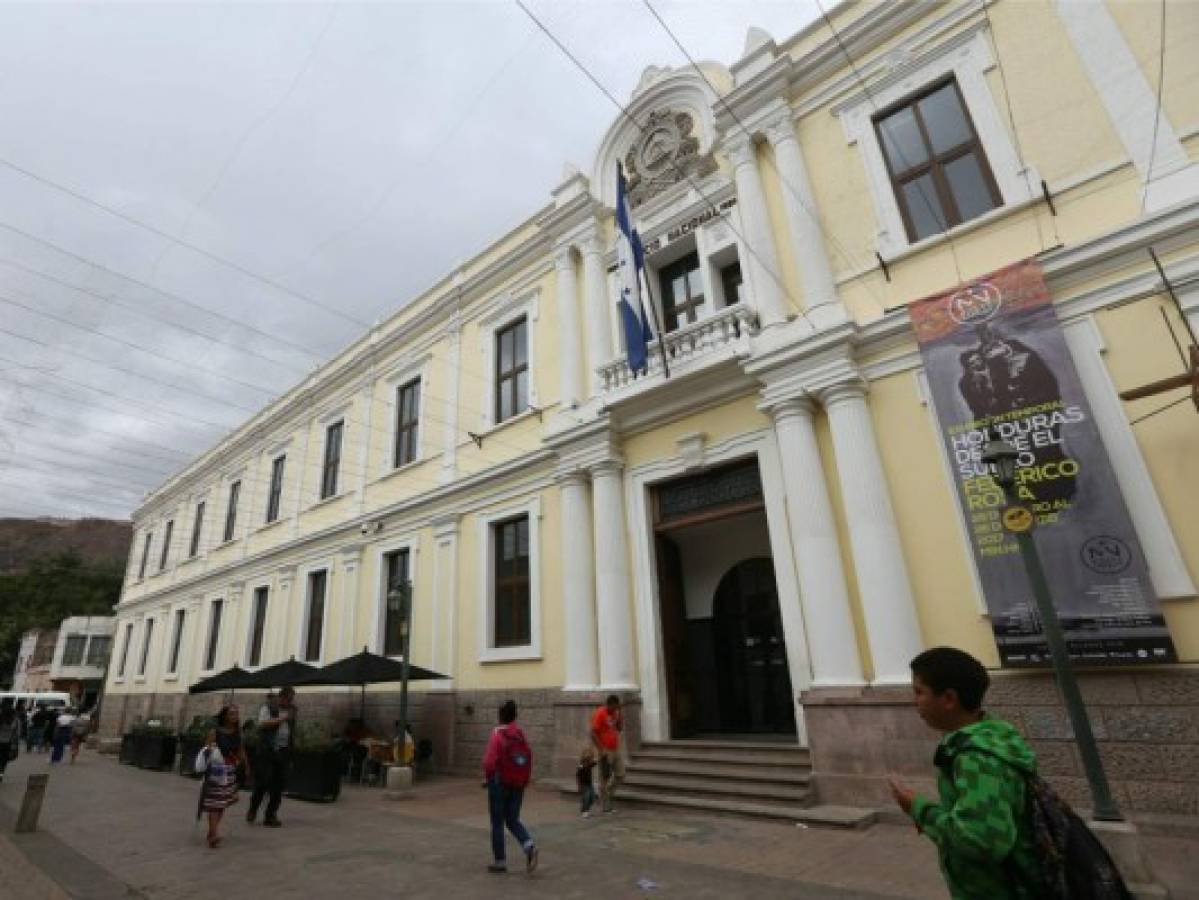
<point>980,823</point>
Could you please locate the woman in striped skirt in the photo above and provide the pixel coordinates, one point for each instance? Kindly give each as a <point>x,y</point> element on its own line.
<point>219,760</point>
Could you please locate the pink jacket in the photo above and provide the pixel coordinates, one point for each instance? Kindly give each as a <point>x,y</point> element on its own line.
<point>495,746</point>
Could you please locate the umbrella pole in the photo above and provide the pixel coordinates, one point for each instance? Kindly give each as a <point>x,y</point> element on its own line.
<point>362,705</point>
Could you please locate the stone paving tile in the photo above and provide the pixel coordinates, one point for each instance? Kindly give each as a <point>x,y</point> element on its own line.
<point>139,826</point>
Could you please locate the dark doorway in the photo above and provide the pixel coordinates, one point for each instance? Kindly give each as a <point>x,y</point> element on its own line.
<point>753,682</point>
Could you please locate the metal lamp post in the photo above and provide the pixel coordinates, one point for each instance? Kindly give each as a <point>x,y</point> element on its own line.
<point>399,600</point>
<point>1000,457</point>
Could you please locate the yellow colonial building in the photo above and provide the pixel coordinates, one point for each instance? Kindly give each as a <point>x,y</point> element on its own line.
<point>750,548</point>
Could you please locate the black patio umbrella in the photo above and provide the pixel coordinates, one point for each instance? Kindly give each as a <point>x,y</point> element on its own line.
<point>291,672</point>
<point>368,668</point>
<point>231,680</point>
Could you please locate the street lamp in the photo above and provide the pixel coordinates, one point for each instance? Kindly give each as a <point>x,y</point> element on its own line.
<point>399,602</point>
<point>1000,457</point>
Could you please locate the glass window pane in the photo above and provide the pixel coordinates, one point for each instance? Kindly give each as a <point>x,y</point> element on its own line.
<point>505,351</point>
<point>924,208</point>
<point>971,192</point>
<point>902,140</point>
<point>522,391</point>
<point>520,334</point>
<point>696,283</point>
<point>508,536</point>
<point>944,119</point>
<point>678,289</point>
<point>505,400</point>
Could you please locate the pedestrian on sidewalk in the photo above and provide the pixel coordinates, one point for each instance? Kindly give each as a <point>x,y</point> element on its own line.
<point>277,730</point>
<point>980,823</point>
<point>584,778</point>
<point>37,729</point>
<point>10,731</point>
<point>607,724</point>
<point>62,734</point>
<point>507,767</point>
<point>219,760</point>
<point>79,730</point>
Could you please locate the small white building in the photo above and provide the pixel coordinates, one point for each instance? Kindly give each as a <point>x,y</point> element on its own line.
<point>32,672</point>
<point>81,657</point>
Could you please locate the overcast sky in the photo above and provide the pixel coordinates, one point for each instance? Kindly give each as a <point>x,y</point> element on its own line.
<point>347,153</point>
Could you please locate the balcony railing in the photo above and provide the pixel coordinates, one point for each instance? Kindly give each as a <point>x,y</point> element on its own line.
<point>727,330</point>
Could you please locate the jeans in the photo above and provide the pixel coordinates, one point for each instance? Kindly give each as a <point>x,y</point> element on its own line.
<point>270,778</point>
<point>588,798</point>
<point>62,737</point>
<point>504,804</point>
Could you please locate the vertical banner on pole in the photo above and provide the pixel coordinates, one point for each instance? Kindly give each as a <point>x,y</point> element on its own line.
<point>998,366</point>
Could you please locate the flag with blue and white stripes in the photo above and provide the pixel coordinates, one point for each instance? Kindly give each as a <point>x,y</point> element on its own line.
<point>630,261</point>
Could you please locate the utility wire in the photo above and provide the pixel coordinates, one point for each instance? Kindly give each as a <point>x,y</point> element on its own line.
<point>1157,109</point>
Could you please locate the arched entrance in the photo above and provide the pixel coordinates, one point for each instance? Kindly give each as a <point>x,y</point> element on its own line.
<point>750,654</point>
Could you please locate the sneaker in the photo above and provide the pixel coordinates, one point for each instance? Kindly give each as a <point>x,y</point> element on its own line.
<point>498,868</point>
<point>531,858</point>
<point>587,814</point>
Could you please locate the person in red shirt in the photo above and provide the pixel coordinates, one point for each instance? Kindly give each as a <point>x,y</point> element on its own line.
<point>507,764</point>
<point>607,723</point>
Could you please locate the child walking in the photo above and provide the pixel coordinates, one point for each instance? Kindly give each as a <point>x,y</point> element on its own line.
<point>583,775</point>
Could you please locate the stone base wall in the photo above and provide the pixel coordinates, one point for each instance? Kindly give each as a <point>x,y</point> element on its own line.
<point>1146,722</point>
<point>458,723</point>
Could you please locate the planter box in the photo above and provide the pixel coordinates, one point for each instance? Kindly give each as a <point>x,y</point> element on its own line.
<point>128,752</point>
<point>314,775</point>
<point>156,751</point>
<point>189,749</point>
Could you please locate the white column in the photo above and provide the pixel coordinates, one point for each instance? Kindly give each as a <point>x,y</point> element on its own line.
<point>892,629</point>
<point>762,264</point>
<point>578,583</point>
<point>569,346</point>
<point>449,455</point>
<point>351,559</point>
<point>613,607</point>
<point>599,319</point>
<point>824,596</point>
<point>807,237</point>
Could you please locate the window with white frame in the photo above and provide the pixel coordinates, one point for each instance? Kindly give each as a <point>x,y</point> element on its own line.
<point>197,530</point>
<point>97,649</point>
<point>507,335</point>
<point>407,422</point>
<point>510,624</point>
<point>314,619</point>
<point>214,634</point>
<point>125,650</point>
<point>898,184</point>
<point>166,545</point>
<point>149,636</point>
<point>231,510</point>
<point>176,641</point>
<point>257,625</point>
<point>275,496</point>
<point>511,370</point>
<point>73,650</point>
<point>141,570</point>
<point>332,460</point>
<point>396,567</point>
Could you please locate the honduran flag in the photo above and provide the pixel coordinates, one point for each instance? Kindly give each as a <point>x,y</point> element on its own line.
<point>630,261</point>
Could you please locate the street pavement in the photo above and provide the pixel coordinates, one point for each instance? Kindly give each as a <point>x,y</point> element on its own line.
<point>110,831</point>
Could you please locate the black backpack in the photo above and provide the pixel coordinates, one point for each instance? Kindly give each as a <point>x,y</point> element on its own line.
<point>1074,865</point>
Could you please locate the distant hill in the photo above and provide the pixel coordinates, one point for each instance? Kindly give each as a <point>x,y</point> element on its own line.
<point>99,543</point>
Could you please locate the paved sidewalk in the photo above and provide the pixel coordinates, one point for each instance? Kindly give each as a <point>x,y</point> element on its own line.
<point>114,831</point>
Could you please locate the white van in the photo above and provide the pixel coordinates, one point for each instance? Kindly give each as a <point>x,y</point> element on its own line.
<point>48,699</point>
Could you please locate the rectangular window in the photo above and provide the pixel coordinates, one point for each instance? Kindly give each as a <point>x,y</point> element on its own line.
<point>141,572</point>
<point>72,652</point>
<point>276,494</point>
<point>731,281</point>
<point>231,512</point>
<point>166,545</point>
<point>938,169</point>
<point>141,667</point>
<point>214,634</point>
<point>682,292</point>
<point>397,573</point>
<point>332,460</point>
<point>511,583</point>
<point>197,530</point>
<point>176,641</point>
<point>511,370</point>
<point>316,616</point>
<point>97,650</point>
<point>407,422</point>
<point>258,625</point>
<point>125,650</point>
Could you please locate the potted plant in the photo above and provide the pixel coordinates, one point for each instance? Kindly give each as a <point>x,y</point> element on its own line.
<point>314,772</point>
<point>191,742</point>
<point>155,746</point>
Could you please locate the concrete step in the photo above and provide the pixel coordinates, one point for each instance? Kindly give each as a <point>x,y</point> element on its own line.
<point>764,791</point>
<point>723,755</point>
<point>832,817</point>
<point>794,775</point>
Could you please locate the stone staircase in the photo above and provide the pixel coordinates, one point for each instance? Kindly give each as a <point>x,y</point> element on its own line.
<point>760,779</point>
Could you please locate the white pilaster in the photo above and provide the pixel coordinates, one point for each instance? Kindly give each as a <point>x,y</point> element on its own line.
<point>803,222</point>
<point>351,563</point>
<point>569,345</point>
<point>445,593</point>
<point>578,583</point>
<point>613,609</point>
<point>823,593</point>
<point>892,629</point>
<point>366,398</point>
<point>449,455</point>
<point>599,331</point>
<point>190,662</point>
<point>228,642</point>
<point>285,578</point>
<point>762,265</point>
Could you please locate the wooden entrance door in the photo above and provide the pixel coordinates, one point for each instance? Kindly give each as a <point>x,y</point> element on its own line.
<point>673,612</point>
<point>753,682</point>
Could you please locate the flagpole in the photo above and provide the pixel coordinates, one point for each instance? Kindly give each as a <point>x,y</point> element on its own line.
<point>653,311</point>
